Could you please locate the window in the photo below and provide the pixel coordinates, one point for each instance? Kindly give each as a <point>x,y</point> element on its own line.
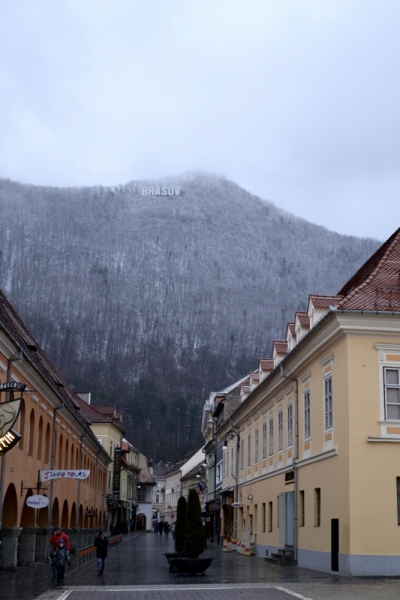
<point>317,507</point>
<point>141,495</point>
<point>241,454</point>
<point>328,403</point>
<point>232,460</point>
<point>301,509</point>
<point>270,516</point>
<point>271,437</point>
<point>256,446</point>
<point>290,424</point>
<point>249,450</point>
<point>263,516</point>
<point>264,440</point>
<point>392,393</point>
<point>307,415</point>
<point>280,430</point>
<point>219,472</point>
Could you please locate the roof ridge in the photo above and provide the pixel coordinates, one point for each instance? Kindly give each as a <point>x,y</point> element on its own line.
<point>377,261</point>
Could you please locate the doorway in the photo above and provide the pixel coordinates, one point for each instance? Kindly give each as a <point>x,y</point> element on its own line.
<point>286,518</point>
<point>335,544</point>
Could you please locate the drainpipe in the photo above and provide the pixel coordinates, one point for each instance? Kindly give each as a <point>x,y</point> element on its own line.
<point>296,453</point>
<point>79,493</point>
<point>3,458</point>
<point>52,461</point>
<point>96,480</point>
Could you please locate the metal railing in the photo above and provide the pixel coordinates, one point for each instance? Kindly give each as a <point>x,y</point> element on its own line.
<point>87,553</point>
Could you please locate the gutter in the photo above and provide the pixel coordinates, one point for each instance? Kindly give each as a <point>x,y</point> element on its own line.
<point>296,453</point>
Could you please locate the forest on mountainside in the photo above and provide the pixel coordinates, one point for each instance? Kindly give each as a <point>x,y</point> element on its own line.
<point>151,302</point>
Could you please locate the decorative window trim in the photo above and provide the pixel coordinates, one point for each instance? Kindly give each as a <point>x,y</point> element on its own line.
<point>3,367</point>
<point>325,361</point>
<point>385,353</point>
<point>305,377</point>
<point>328,423</point>
<point>34,398</point>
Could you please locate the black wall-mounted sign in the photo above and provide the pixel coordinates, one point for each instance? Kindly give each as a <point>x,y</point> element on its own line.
<point>117,469</point>
<point>12,385</point>
<point>8,441</point>
<point>289,477</point>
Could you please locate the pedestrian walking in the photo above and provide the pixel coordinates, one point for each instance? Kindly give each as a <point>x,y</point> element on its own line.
<point>166,529</point>
<point>160,528</point>
<point>101,544</point>
<point>60,559</point>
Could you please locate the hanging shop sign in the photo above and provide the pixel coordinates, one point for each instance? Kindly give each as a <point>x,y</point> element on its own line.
<point>117,469</point>
<point>9,412</point>
<point>72,474</point>
<point>37,501</point>
<point>8,441</point>
<point>12,385</point>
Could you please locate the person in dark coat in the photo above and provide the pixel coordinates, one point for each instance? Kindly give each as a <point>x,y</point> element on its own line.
<point>160,528</point>
<point>166,529</point>
<point>101,543</point>
<point>60,559</point>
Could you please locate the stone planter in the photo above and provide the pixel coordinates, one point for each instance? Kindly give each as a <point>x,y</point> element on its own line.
<point>10,547</point>
<point>191,565</point>
<point>27,546</point>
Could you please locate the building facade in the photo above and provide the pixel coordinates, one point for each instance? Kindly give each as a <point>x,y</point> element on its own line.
<point>53,436</point>
<point>317,433</point>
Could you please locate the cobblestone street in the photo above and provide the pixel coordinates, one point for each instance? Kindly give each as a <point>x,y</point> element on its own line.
<point>137,570</point>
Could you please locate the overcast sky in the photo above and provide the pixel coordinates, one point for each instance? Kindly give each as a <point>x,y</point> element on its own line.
<point>298,101</point>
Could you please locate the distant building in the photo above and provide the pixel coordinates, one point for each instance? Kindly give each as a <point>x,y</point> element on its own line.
<point>144,518</point>
<point>158,492</point>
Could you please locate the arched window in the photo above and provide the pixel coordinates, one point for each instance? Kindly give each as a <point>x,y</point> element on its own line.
<point>66,456</point>
<point>40,439</point>
<point>31,432</point>
<point>72,456</point>
<point>47,445</point>
<point>60,452</point>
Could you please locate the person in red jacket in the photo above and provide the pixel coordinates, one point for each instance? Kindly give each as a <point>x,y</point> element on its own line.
<point>57,537</point>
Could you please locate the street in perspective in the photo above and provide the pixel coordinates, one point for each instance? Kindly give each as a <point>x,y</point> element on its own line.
<point>137,569</point>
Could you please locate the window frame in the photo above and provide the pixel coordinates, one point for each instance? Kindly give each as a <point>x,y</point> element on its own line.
<point>280,430</point>
<point>307,414</point>
<point>264,440</point>
<point>387,386</point>
<point>256,446</point>
<point>328,402</point>
<point>271,436</point>
<point>289,423</point>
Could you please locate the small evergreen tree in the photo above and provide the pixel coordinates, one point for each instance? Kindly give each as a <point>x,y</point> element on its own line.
<point>195,538</point>
<point>180,527</point>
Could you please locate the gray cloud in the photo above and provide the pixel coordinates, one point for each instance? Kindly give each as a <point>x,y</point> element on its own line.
<point>295,101</point>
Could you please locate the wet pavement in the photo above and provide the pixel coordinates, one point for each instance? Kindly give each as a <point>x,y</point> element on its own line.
<point>137,570</point>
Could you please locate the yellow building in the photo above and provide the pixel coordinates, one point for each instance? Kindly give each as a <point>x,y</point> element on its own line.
<point>315,444</point>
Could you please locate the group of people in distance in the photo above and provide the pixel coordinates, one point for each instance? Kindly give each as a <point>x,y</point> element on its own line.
<point>161,526</point>
<point>60,547</point>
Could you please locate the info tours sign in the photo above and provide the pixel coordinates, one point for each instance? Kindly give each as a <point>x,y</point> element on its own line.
<point>9,412</point>
<point>49,475</point>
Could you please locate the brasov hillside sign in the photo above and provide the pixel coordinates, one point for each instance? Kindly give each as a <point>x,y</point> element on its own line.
<point>66,474</point>
<point>154,190</point>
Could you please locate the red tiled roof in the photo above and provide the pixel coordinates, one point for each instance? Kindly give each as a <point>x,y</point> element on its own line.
<point>292,329</point>
<point>246,389</point>
<point>280,347</point>
<point>376,285</point>
<point>255,376</point>
<point>266,364</point>
<point>324,301</point>
<point>303,318</point>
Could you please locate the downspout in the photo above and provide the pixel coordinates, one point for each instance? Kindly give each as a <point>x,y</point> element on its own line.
<point>296,454</point>
<point>79,493</point>
<point>96,479</point>
<point>3,458</point>
<point>52,461</point>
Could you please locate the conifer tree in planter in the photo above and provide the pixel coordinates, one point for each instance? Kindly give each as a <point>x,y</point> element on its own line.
<point>195,538</point>
<point>180,527</point>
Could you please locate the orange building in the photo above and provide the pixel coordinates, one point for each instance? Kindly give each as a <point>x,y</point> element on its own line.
<point>54,435</point>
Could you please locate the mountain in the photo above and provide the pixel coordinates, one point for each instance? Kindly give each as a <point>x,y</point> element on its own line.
<point>151,294</point>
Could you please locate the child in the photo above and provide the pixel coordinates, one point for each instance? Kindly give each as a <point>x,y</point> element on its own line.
<point>61,557</point>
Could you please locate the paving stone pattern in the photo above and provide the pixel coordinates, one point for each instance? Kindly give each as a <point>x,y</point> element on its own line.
<point>137,570</point>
